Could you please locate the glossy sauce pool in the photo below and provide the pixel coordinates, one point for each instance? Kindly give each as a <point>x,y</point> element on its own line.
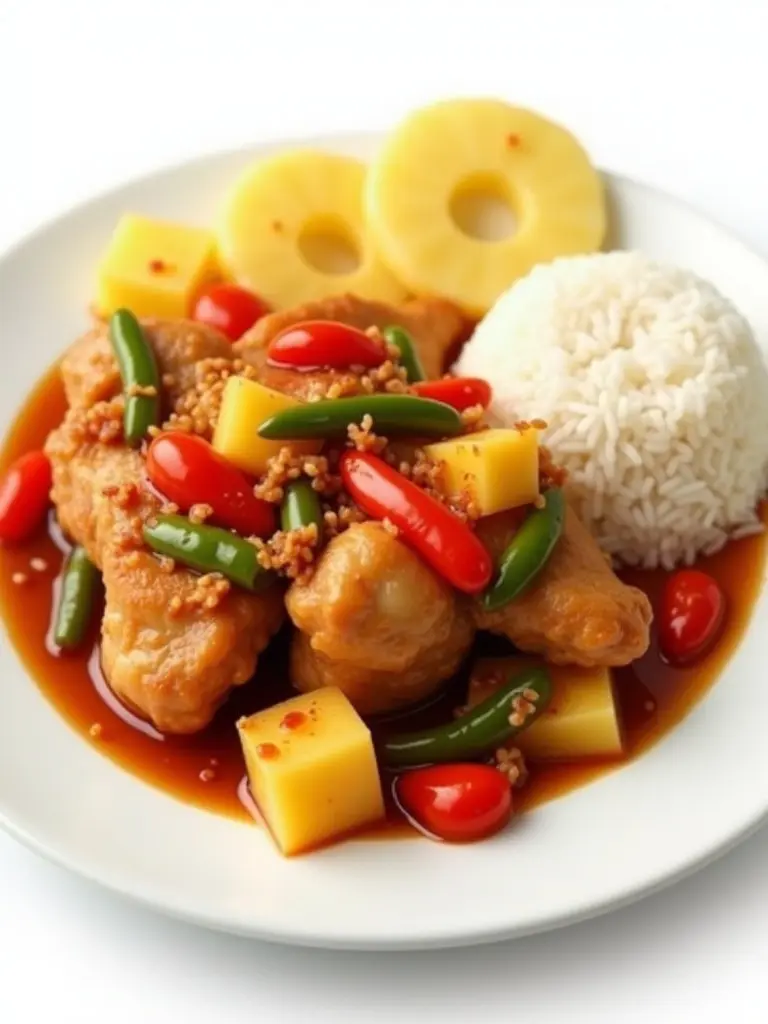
<point>206,769</point>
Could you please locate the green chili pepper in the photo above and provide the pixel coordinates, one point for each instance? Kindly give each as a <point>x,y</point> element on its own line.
<point>138,369</point>
<point>391,414</point>
<point>301,507</point>
<point>409,354</point>
<point>528,552</point>
<point>78,588</point>
<point>480,731</point>
<point>207,549</point>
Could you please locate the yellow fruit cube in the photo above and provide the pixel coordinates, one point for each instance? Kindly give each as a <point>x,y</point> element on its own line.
<point>245,405</point>
<point>155,268</point>
<point>582,718</point>
<point>498,468</point>
<point>312,769</point>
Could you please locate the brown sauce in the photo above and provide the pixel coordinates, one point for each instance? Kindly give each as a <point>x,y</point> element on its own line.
<point>206,769</point>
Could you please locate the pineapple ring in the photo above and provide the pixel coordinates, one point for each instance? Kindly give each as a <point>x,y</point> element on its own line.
<point>290,212</point>
<point>444,152</point>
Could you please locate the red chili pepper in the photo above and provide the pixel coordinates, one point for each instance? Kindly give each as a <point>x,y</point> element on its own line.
<point>439,536</point>
<point>229,308</point>
<point>24,496</point>
<point>456,802</point>
<point>691,615</point>
<point>188,471</point>
<point>325,343</point>
<point>460,392</point>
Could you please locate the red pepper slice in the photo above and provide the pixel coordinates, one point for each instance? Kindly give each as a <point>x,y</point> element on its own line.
<point>691,615</point>
<point>188,471</point>
<point>325,343</point>
<point>229,308</point>
<point>24,496</point>
<point>460,392</point>
<point>439,536</point>
<point>459,803</point>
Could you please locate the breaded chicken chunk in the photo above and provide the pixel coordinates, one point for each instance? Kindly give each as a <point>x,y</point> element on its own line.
<point>375,621</point>
<point>173,643</point>
<point>578,612</point>
<point>436,325</point>
<point>90,373</point>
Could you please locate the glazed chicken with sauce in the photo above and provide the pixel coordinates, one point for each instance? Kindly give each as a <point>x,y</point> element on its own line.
<point>373,620</point>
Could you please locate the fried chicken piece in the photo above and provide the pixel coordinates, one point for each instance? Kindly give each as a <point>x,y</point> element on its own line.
<point>90,373</point>
<point>436,325</point>
<point>172,644</point>
<point>578,612</point>
<point>376,622</point>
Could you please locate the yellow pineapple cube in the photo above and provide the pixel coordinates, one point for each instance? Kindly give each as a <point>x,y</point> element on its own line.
<point>155,268</point>
<point>498,468</point>
<point>581,720</point>
<point>312,769</point>
<point>245,405</point>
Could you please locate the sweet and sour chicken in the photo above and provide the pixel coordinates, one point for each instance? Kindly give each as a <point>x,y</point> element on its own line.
<point>372,618</point>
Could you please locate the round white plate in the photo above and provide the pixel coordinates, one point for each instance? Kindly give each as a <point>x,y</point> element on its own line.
<point>701,789</point>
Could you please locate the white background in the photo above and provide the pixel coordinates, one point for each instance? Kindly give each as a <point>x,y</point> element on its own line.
<point>94,93</point>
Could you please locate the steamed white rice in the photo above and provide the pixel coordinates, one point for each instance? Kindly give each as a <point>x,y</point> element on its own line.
<point>655,394</point>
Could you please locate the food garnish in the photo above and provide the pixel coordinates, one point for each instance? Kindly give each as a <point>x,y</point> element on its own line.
<point>317,344</point>
<point>320,779</point>
<point>154,267</point>
<point>460,392</point>
<point>409,354</point>
<point>79,583</point>
<point>229,308</point>
<point>498,468</point>
<point>431,529</point>
<point>457,803</point>
<point>188,471</point>
<point>245,406</point>
<point>301,507</point>
<point>24,496</point>
<point>500,717</point>
<point>691,615</point>
<point>208,549</point>
<point>528,551</point>
<point>391,414</point>
<point>139,373</point>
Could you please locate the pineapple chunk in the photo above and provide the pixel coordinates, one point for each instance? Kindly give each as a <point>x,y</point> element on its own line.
<point>581,721</point>
<point>498,468</point>
<point>312,769</point>
<point>245,405</point>
<point>293,230</point>
<point>477,153</point>
<point>155,268</point>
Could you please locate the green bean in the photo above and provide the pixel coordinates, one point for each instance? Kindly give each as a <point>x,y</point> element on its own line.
<point>207,549</point>
<point>391,414</point>
<point>409,353</point>
<point>528,552</point>
<point>301,507</point>
<point>139,372</point>
<point>75,606</point>
<point>488,725</point>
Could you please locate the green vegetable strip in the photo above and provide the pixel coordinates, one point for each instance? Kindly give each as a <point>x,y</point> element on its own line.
<point>391,414</point>
<point>480,731</point>
<point>207,549</point>
<point>78,588</point>
<point>528,552</point>
<point>138,369</point>
<point>409,354</point>
<point>301,507</point>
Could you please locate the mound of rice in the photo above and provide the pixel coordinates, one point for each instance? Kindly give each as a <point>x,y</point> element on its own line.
<point>655,394</point>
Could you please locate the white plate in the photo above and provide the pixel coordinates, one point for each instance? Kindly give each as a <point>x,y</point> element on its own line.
<point>692,796</point>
